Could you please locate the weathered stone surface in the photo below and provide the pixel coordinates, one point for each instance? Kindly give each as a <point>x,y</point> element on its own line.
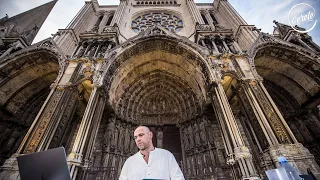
<point>225,98</point>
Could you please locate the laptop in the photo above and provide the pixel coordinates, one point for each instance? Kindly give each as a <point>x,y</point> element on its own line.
<point>45,165</point>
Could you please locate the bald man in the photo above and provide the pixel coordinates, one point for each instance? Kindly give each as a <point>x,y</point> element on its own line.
<point>150,162</point>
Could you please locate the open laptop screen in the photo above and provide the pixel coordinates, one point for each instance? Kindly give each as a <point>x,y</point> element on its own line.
<point>45,165</point>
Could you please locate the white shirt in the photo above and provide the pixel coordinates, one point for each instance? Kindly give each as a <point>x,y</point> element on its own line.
<point>161,165</point>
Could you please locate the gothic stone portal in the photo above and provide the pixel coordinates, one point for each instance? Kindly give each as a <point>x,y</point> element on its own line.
<point>160,84</point>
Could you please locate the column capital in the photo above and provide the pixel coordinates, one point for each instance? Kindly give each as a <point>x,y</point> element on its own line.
<point>242,152</point>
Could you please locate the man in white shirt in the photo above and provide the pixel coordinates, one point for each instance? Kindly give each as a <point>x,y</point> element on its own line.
<point>150,162</point>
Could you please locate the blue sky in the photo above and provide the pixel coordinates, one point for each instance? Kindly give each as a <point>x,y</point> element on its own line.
<point>259,13</point>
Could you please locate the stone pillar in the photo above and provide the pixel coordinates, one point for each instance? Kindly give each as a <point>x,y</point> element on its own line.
<point>94,129</point>
<point>225,44</point>
<point>8,51</point>
<point>214,44</point>
<point>194,12</point>
<point>104,21</point>
<point>277,129</point>
<point>281,140</point>
<point>81,150</point>
<point>119,13</point>
<point>209,19</point>
<point>298,38</point>
<point>236,45</point>
<point>226,117</point>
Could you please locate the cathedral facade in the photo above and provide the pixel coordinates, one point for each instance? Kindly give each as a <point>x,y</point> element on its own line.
<point>225,98</point>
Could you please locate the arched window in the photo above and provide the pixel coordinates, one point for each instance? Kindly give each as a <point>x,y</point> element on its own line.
<point>204,18</point>
<point>98,21</point>
<point>109,20</point>
<point>213,19</point>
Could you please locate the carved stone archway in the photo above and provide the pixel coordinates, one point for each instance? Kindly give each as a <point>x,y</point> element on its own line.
<point>25,82</point>
<point>159,72</point>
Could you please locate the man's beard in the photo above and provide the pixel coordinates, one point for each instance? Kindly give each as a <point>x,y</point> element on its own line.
<point>143,146</point>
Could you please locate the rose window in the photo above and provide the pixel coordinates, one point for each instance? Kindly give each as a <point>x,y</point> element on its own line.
<point>170,22</point>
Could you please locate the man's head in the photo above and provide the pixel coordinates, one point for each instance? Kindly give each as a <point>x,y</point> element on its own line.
<point>143,137</point>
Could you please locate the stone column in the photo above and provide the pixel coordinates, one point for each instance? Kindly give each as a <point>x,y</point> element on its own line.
<point>98,112</point>
<point>8,51</point>
<point>194,12</point>
<point>281,140</point>
<point>226,117</point>
<point>298,38</point>
<point>277,129</point>
<point>214,44</point>
<point>87,132</point>
<point>104,21</point>
<point>236,45</point>
<point>209,19</point>
<point>225,44</point>
<point>119,13</point>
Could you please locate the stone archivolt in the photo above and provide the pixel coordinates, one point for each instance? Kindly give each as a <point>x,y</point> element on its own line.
<point>159,74</point>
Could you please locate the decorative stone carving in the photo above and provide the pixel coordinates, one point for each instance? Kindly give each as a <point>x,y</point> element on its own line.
<point>273,118</point>
<point>43,123</point>
<point>109,134</point>
<point>203,27</point>
<point>159,137</point>
<point>196,134</point>
<point>202,129</point>
<point>170,22</point>
<point>191,136</point>
<point>185,137</point>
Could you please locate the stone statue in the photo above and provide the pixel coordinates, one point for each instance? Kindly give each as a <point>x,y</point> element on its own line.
<point>185,138</point>
<point>196,134</point>
<point>132,141</point>
<point>208,129</point>
<point>116,134</point>
<point>305,132</point>
<point>82,49</point>
<point>102,50</point>
<point>121,137</point>
<point>109,134</point>
<point>127,139</point>
<point>92,51</point>
<point>202,130</point>
<point>190,136</point>
<point>296,132</point>
<point>159,137</point>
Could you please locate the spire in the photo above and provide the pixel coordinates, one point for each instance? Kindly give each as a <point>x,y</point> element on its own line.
<point>27,24</point>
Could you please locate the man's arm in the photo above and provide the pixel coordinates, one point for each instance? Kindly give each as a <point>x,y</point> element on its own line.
<point>124,172</point>
<point>175,171</point>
